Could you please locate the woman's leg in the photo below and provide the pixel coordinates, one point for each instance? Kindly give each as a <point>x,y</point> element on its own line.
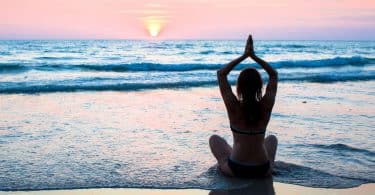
<point>271,146</point>
<point>221,150</point>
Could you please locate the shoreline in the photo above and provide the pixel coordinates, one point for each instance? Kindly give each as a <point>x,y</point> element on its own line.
<point>276,188</point>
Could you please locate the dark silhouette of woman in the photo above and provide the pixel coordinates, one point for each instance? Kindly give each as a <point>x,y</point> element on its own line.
<point>252,154</point>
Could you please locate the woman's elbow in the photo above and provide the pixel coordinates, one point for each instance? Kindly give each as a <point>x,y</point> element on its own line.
<point>220,73</point>
<point>274,74</point>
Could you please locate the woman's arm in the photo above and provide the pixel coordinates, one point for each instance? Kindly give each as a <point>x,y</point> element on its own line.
<point>226,90</point>
<point>271,89</point>
<point>249,50</point>
<point>272,73</point>
<point>229,67</point>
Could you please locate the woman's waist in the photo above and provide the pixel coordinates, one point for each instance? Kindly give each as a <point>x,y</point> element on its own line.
<point>249,153</point>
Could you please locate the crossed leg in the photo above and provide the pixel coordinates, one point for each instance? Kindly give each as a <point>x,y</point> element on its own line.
<point>271,146</point>
<point>221,150</point>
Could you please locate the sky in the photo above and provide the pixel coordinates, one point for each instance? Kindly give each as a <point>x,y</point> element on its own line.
<point>188,19</point>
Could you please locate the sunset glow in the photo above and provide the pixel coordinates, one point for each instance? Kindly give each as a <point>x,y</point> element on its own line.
<point>154,25</point>
<point>187,19</point>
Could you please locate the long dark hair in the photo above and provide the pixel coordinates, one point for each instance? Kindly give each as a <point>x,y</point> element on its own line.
<point>249,92</point>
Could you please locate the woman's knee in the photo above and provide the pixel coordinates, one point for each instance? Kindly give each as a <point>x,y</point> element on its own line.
<point>214,139</point>
<point>272,139</point>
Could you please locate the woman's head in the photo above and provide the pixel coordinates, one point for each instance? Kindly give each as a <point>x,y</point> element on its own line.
<point>249,92</point>
<point>249,85</point>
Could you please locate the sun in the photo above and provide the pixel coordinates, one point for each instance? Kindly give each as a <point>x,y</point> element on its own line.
<point>153,28</point>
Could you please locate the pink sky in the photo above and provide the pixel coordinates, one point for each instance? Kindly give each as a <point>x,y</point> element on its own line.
<point>188,19</point>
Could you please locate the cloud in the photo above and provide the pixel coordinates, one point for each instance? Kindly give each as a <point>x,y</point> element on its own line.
<point>144,12</point>
<point>358,18</point>
<point>155,5</point>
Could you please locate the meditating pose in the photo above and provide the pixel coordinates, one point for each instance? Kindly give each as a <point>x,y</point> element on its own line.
<point>252,154</point>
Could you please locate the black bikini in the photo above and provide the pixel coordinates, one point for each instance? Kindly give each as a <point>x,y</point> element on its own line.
<point>241,169</point>
<point>237,130</point>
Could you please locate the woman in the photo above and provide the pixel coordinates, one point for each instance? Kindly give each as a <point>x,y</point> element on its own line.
<point>249,113</point>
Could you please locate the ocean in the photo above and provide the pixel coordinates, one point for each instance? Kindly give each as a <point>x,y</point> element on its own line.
<point>131,113</point>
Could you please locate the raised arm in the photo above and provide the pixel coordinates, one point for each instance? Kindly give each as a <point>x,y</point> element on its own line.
<point>226,90</point>
<point>272,73</point>
<point>271,89</point>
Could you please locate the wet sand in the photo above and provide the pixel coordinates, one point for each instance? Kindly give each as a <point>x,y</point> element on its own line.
<point>276,188</point>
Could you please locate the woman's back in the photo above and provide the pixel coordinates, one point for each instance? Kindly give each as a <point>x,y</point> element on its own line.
<point>248,137</point>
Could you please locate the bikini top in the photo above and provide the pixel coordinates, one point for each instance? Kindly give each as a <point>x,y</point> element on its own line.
<point>239,131</point>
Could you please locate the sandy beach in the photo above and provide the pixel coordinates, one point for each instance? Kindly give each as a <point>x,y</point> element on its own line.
<point>277,188</point>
